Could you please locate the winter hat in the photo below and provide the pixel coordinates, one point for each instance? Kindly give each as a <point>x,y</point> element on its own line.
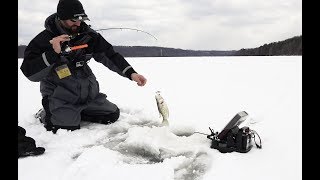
<point>71,9</point>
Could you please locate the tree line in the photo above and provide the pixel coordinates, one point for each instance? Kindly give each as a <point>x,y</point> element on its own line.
<point>288,47</point>
<point>292,46</point>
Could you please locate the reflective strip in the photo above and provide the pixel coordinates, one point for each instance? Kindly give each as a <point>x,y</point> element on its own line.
<point>126,69</point>
<point>79,63</point>
<point>45,59</point>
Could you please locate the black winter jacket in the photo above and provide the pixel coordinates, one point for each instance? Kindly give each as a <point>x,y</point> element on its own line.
<point>40,60</point>
<point>39,54</point>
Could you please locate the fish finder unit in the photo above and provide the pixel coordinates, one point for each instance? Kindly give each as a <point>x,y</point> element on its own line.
<point>232,138</point>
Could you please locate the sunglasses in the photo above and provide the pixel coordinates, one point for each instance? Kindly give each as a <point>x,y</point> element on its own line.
<point>75,20</point>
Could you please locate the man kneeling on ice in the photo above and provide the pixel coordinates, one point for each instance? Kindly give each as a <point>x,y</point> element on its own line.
<point>57,58</point>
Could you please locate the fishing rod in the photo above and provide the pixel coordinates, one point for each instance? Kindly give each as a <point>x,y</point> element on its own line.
<point>121,28</point>
<point>69,49</point>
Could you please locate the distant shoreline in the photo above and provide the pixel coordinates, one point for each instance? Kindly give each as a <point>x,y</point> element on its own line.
<point>288,47</point>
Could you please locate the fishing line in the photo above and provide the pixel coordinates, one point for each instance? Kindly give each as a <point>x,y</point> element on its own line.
<point>196,132</point>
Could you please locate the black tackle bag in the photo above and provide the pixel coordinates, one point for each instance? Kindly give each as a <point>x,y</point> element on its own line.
<point>27,145</point>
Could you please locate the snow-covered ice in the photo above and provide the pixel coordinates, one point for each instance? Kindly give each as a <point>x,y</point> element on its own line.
<point>201,92</point>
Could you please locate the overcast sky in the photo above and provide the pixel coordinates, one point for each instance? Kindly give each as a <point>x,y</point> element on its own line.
<point>185,24</point>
